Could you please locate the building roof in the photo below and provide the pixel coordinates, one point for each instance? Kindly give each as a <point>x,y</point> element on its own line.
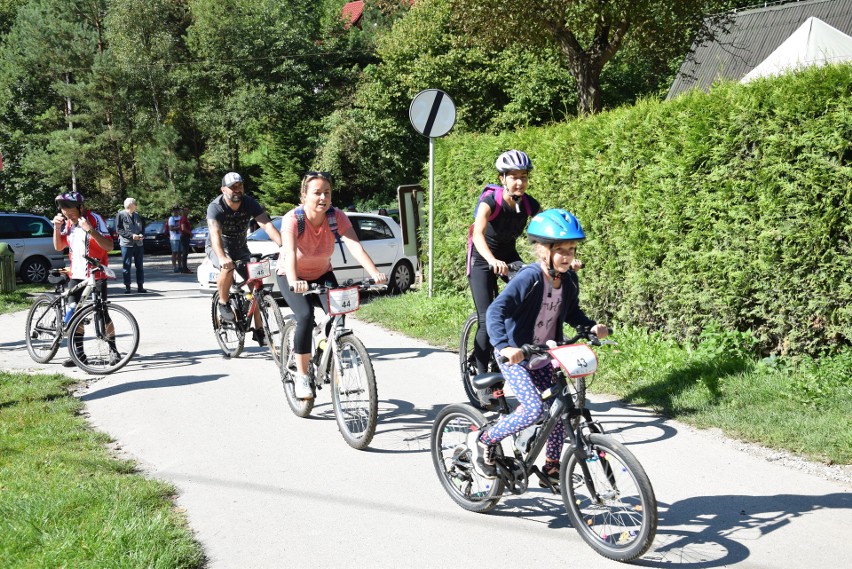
<point>352,12</point>
<point>750,36</point>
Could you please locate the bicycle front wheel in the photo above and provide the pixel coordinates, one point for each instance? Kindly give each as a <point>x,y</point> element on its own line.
<point>451,458</point>
<point>273,326</point>
<point>300,407</point>
<point>44,328</point>
<point>353,393</point>
<point>102,338</point>
<point>230,338</point>
<point>609,499</point>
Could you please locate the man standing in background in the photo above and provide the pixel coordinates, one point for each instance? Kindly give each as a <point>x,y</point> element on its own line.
<point>130,228</point>
<point>173,225</point>
<point>185,234</point>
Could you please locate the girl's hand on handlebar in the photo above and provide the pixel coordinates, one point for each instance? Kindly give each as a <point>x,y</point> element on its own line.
<point>600,331</point>
<point>499,268</point>
<point>379,278</point>
<point>512,355</point>
<point>299,286</point>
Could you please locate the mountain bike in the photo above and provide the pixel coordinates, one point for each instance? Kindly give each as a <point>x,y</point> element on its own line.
<point>467,362</point>
<point>249,295</point>
<point>339,359</point>
<point>608,496</point>
<point>102,337</point>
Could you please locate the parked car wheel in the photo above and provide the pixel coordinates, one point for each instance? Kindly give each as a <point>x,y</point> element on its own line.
<point>401,278</point>
<point>35,270</point>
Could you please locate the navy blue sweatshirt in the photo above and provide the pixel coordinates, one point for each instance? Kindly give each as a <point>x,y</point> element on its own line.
<point>511,318</point>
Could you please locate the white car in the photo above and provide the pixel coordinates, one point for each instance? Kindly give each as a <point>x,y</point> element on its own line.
<point>380,236</point>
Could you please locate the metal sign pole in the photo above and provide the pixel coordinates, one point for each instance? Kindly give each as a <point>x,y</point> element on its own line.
<point>431,208</point>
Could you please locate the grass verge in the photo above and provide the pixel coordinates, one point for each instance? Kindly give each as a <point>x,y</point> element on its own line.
<point>799,405</point>
<point>20,298</point>
<point>65,502</point>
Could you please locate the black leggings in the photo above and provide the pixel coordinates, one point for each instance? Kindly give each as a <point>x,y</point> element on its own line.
<point>303,309</point>
<point>483,287</point>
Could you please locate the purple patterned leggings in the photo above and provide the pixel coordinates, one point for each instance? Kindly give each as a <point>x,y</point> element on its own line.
<point>527,386</point>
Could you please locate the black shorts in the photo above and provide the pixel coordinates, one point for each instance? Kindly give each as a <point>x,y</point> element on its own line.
<point>239,254</point>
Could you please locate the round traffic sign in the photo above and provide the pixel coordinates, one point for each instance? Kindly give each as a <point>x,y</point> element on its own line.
<point>432,113</point>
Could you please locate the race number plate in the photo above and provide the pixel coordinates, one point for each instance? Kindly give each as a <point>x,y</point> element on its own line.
<point>259,270</point>
<point>343,300</point>
<point>576,359</point>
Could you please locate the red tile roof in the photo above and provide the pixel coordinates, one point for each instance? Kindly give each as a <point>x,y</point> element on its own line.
<point>352,12</point>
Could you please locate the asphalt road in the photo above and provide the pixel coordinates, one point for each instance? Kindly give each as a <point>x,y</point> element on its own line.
<point>263,488</point>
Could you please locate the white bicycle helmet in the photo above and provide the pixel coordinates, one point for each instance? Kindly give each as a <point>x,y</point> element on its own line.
<point>513,160</point>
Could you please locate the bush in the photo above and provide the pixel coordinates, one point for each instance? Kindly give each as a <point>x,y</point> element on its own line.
<point>732,206</point>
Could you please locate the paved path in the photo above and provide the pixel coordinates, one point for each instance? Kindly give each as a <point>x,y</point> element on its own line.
<point>263,488</point>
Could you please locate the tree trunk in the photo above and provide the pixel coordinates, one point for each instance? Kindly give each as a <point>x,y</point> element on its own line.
<point>588,79</point>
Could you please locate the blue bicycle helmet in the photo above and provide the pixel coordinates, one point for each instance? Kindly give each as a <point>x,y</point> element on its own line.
<point>513,160</point>
<point>554,225</point>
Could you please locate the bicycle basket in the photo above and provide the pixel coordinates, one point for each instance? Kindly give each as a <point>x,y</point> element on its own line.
<point>259,270</point>
<point>577,360</point>
<point>343,300</point>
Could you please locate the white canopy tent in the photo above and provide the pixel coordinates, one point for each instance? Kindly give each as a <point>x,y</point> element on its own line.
<point>813,43</point>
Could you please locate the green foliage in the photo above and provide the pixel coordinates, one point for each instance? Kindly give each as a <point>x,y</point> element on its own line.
<point>815,382</point>
<point>716,343</point>
<point>731,207</point>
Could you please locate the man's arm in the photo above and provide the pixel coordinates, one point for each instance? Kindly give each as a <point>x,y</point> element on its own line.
<point>266,223</point>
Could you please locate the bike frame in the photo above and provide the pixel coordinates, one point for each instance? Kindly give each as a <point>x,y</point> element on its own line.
<point>574,417</point>
<point>257,290</point>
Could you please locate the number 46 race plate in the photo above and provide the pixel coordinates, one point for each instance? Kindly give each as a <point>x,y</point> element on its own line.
<point>576,359</point>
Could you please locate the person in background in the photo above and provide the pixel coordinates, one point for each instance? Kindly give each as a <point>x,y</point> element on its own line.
<point>130,228</point>
<point>173,225</point>
<point>185,234</point>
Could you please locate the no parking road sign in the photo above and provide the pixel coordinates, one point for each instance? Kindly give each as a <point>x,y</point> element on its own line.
<point>432,113</point>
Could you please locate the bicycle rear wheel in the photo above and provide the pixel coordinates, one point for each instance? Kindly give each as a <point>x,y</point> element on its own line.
<point>231,339</point>
<point>102,338</point>
<point>353,393</point>
<point>451,458</point>
<point>273,326</point>
<point>611,503</point>
<point>300,407</point>
<point>44,328</point>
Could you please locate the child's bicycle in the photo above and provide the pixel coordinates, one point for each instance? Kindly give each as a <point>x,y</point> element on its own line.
<point>340,359</point>
<point>244,303</point>
<point>605,490</point>
<point>102,337</point>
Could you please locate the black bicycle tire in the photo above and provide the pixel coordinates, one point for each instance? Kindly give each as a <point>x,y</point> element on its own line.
<point>300,407</point>
<point>74,325</point>
<point>602,449</point>
<point>466,363</point>
<point>240,335</point>
<point>363,439</point>
<point>273,341</point>
<point>48,299</point>
<point>439,427</point>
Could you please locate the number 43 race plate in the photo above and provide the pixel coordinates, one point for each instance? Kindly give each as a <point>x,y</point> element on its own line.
<point>576,359</point>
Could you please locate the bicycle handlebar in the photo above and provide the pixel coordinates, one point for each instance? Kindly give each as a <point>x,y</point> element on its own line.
<point>583,333</point>
<point>366,284</point>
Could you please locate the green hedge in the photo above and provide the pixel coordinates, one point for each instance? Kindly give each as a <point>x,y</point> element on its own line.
<point>730,208</point>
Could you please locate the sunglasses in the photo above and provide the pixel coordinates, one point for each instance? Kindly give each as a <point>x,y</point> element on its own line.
<point>67,205</point>
<point>311,175</point>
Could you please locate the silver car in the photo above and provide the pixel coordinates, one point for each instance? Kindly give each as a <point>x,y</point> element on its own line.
<point>380,236</point>
<point>31,238</point>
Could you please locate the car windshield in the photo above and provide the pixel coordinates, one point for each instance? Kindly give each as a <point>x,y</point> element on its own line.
<point>260,234</point>
<point>200,229</point>
<point>154,227</point>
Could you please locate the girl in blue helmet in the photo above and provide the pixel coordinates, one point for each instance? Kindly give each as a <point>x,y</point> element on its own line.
<point>532,309</point>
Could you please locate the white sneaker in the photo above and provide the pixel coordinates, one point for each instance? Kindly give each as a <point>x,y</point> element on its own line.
<point>482,456</point>
<point>302,386</point>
